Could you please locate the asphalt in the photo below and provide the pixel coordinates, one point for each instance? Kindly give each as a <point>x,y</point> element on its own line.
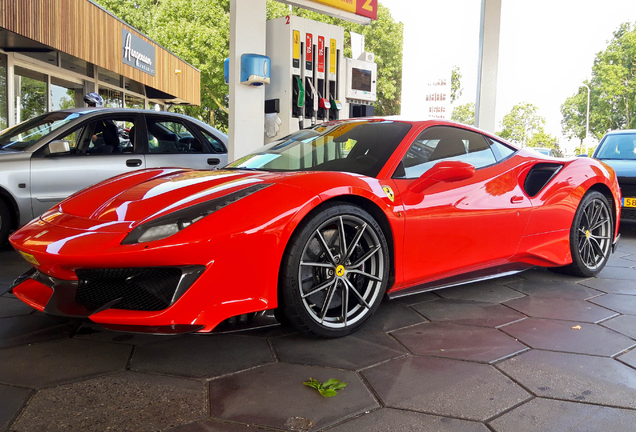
<point>532,352</point>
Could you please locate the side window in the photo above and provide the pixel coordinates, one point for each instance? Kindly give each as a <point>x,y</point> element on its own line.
<point>172,137</point>
<point>73,139</point>
<point>501,150</point>
<point>444,143</point>
<point>108,136</point>
<point>214,143</point>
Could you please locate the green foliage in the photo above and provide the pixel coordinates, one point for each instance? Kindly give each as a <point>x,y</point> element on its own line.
<point>328,389</point>
<point>456,86</point>
<point>32,98</point>
<point>613,90</point>
<point>521,123</point>
<point>464,114</point>
<point>198,31</point>
<point>383,37</point>
<point>545,140</point>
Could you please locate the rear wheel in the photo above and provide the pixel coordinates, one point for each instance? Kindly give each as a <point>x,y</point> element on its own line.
<point>335,272</point>
<point>591,236</point>
<point>5,222</point>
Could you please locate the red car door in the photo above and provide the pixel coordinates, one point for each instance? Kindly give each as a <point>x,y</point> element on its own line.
<point>463,226</point>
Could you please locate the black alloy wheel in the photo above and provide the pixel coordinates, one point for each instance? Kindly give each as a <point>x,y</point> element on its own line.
<point>334,272</point>
<point>591,236</point>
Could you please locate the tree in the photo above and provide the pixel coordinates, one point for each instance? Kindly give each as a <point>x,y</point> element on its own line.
<point>464,114</point>
<point>456,87</point>
<point>613,89</point>
<point>545,140</point>
<point>198,31</point>
<point>384,38</point>
<point>521,123</point>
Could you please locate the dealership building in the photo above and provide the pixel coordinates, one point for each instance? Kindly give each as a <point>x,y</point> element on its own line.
<point>53,52</point>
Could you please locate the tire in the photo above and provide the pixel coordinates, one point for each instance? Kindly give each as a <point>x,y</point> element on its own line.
<point>591,236</point>
<point>5,222</point>
<point>331,291</point>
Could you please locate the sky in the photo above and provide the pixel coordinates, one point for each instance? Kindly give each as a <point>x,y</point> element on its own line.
<point>546,49</point>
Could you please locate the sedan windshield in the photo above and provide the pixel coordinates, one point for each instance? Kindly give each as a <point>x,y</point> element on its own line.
<point>25,134</point>
<point>619,146</point>
<point>361,147</point>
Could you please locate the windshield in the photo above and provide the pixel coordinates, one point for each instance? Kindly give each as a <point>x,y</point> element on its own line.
<point>361,147</point>
<point>619,146</point>
<point>25,134</point>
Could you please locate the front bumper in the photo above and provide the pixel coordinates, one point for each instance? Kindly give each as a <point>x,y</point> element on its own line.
<point>145,289</point>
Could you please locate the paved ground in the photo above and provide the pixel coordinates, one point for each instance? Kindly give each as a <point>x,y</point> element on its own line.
<point>535,352</point>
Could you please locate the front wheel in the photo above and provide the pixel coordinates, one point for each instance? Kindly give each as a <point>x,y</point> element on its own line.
<point>334,272</point>
<point>591,236</point>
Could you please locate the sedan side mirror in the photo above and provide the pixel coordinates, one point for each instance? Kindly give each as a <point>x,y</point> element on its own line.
<point>59,146</point>
<point>448,171</point>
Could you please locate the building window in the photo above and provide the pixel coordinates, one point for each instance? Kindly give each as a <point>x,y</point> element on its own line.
<point>30,89</point>
<point>134,102</point>
<point>4,98</point>
<point>73,64</point>
<point>112,98</point>
<point>65,94</point>
<point>109,77</point>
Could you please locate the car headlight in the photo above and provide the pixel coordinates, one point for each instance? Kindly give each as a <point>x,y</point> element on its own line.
<point>172,223</point>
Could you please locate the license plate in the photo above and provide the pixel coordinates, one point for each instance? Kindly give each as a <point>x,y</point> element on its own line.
<point>629,202</point>
<point>30,258</point>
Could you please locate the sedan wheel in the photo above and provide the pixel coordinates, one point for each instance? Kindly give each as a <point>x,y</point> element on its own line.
<point>591,236</point>
<point>335,272</point>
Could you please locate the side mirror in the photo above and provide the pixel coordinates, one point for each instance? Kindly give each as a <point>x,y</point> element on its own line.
<point>59,146</point>
<point>448,171</point>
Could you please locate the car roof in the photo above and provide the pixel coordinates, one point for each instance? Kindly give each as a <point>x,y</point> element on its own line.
<point>623,131</point>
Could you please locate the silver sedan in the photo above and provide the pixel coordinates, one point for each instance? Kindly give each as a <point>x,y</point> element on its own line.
<point>50,157</point>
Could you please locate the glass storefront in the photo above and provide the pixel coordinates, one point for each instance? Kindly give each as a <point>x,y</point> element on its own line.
<point>30,94</point>
<point>112,98</point>
<point>4,97</point>
<point>65,94</point>
<point>134,102</point>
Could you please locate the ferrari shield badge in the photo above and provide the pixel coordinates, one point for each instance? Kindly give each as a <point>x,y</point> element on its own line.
<point>389,192</point>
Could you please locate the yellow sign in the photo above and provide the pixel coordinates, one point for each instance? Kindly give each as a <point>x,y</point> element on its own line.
<point>296,55</point>
<point>366,8</point>
<point>389,192</point>
<point>332,57</point>
<point>30,258</point>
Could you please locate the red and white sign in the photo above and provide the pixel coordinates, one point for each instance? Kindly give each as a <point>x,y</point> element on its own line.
<point>321,54</point>
<point>437,90</point>
<point>309,48</point>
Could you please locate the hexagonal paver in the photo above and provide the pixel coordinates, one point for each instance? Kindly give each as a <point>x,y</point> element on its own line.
<point>574,377</point>
<point>613,286</point>
<point>127,401</point>
<point>444,387</point>
<point>459,341</point>
<point>94,332</point>
<point>12,400</point>
<point>392,316</point>
<point>28,329</point>
<point>617,261</point>
<point>543,274</point>
<point>559,416</point>
<point>219,426</point>
<point>205,355</point>
<point>388,419</point>
<point>488,292</point>
<point>629,358</point>
<point>468,312</point>
<point>46,364</point>
<point>625,304</point>
<point>562,309</point>
<point>618,273</point>
<point>416,298</point>
<point>624,324</point>
<point>560,336</point>
<point>356,351</point>
<point>558,289</point>
<point>274,395</point>
<point>13,307</point>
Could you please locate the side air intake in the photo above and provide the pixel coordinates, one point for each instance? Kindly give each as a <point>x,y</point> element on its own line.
<point>539,176</point>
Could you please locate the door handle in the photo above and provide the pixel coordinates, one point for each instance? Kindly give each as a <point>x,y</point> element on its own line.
<point>214,161</point>
<point>516,199</point>
<point>133,162</point>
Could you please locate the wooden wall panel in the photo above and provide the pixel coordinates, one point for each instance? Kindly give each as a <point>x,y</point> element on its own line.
<point>82,29</point>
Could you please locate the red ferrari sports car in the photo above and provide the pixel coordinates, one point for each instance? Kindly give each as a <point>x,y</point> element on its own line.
<point>318,226</point>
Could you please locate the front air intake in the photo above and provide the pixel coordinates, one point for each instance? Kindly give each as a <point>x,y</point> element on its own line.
<point>539,176</point>
<point>140,289</point>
